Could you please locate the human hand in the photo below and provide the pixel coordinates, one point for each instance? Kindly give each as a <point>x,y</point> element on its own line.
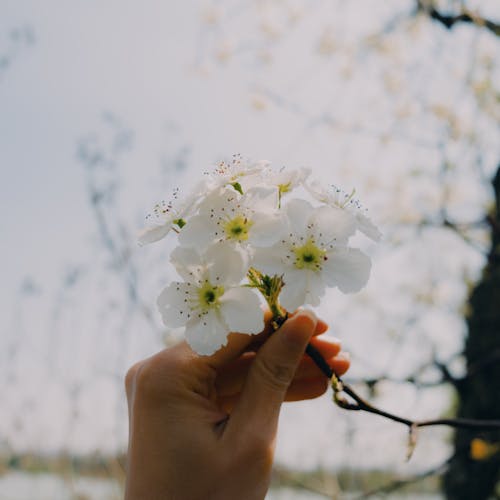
<point>204,427</point>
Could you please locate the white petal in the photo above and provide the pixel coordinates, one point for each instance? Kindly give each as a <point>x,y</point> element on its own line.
<point>174,304</point>
<point>303,174</point>
<point>332,224</point>
<point>306,287</point>
<point>347,268</point>
<point>198,232</point>
<point>219,199</point>
<point>315,288</point>
<point>206,334</point>
<point>240,308</point>
<point>226,264</point>
<point>269,260</point>
<point>294,292</point>
<point>261,198</point>
<point>368,228</point>
<point>317,191</point>
<point>197,194</point>
<point>187,262</point>
<point>153,233</point>
<point>298,212</point>
<point>267,229</point>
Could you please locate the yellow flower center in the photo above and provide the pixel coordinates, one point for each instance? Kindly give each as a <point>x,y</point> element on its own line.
<point>208,295</point>
<point>284,188</point>
<point>237,228</point>
<point>309,256</point>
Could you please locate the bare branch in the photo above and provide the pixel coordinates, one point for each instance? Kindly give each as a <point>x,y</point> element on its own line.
<point>401,483</point>
<point>361,404</point>
<point>449,20</point>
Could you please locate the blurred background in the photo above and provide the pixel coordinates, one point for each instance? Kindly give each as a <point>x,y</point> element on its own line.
<point>107,106</point>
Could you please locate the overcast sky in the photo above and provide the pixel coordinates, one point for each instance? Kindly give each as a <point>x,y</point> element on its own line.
<point>219,79</point>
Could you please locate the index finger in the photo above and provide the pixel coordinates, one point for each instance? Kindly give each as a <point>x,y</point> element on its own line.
<point>238,343</point>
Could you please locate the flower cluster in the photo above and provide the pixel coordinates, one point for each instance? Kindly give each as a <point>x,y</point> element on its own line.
<point>242,228</point>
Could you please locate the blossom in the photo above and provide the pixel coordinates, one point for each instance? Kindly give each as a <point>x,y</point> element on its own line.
<point>234,225</point>
<point>314,254</point>
<point>286,180</point>
<point>210,302</point>
<point>225,215</point>
<point>239,173</point>
<point>167,215</point>
<point>336,197</point>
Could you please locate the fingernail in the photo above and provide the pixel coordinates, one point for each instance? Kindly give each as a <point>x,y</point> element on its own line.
<point>346,355</point>
<point>306,313</point>
<point>304,322</point>
<point>332,339</point>
<point>305,319</point>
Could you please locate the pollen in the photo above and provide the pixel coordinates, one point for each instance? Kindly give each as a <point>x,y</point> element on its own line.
<point>309,256</point>
<point>208,295</point>
<point>237,228</point>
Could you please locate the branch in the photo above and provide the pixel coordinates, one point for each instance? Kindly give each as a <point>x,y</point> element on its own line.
<point>448,21</point>
<point>446,377</point>
<point>401,483</point>
<point>361,404</point>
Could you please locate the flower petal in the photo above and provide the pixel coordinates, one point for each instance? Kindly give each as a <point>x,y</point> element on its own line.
<point>269,260</point>
<point>173,304</point>
<point>267,229</point>
<point>207,333</point>
<point>315,288</point>
<point>298,212</point>
<point>347,268</point>
<point>368,228</point>
<point>332,224</point>
<point>187,262</point>
<point>226,264</point>
<point>198,232</point>
<point>263,198</point>
<point>294,292</point>
<point>153,233</point>
<point>240,308</point>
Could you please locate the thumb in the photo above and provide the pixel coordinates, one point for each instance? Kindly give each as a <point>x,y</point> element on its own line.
<point>270,375</point>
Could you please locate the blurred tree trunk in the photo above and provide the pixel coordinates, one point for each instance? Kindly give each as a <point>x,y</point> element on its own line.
<point>479,392</point>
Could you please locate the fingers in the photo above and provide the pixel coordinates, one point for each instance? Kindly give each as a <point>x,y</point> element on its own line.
<point>340,364</point>
<point>239,343</point>
<point>270,375</point>
<point>257,341</point>
<point>230,378</point>
<point>298,390</point>
<point>308,383</point>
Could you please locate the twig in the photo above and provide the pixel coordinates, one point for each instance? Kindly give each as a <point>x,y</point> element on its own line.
<point>448,21</point>
<point>401,483</point>
<point>361,404</point>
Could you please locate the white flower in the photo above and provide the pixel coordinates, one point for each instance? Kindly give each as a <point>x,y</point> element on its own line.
<point>314,254</point>
<point>209,302</point>
<point>336,197</point>
<point>239,173</point>
<point>169,215</point>
<point>225,215</point>
<point>286,180</point>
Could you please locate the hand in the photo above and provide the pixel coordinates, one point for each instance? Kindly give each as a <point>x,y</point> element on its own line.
<point>204,427</point>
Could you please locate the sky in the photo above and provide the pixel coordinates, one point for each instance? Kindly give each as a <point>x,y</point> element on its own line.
<point>296,83</point>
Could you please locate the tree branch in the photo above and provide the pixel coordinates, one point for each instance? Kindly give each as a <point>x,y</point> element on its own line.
<point>401,483</point>
<point>360,404</point>
<point>448,21</point>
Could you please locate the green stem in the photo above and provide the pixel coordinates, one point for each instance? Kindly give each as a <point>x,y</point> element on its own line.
<point>279,315</point>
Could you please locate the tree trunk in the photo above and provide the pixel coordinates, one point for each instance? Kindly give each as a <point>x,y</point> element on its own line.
<point>479,392</point>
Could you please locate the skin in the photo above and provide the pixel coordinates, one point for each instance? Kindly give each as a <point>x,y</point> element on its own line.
<point>204,427</point>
